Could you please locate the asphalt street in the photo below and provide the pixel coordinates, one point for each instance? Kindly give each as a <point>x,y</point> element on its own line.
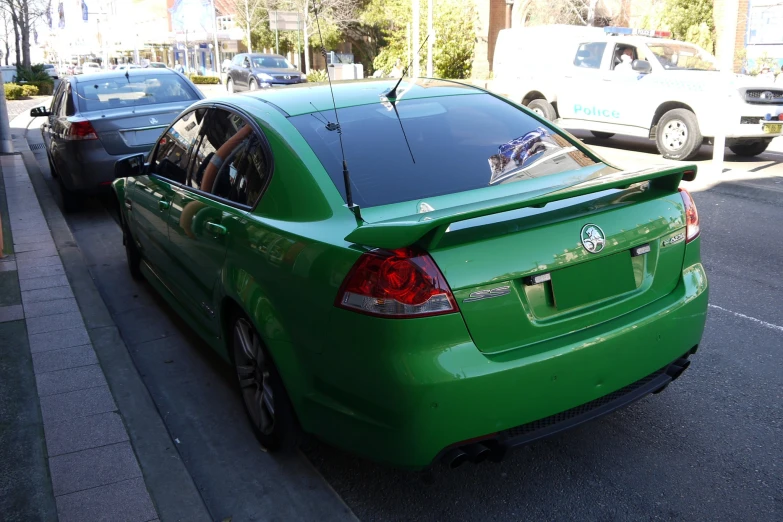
<point>709,448</point>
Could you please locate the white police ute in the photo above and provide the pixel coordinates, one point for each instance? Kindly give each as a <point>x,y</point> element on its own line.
<point>618,80</point>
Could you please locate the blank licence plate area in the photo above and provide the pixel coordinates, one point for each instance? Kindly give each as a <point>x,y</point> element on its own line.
<point>593,281</point>
<point>133,138</point>
<point>772,128</point>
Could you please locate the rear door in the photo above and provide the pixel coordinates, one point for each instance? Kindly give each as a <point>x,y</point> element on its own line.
<point>578,95</point>
<point>226,177</point>
<point>151,200</point>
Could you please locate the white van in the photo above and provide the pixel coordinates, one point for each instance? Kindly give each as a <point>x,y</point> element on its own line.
<point>670,91</point>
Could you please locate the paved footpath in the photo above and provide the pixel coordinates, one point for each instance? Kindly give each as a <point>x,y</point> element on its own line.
<point>93,468</point>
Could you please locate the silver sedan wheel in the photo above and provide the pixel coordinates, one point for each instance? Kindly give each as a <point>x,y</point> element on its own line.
<point>253,375</point>
<point>675,135</point>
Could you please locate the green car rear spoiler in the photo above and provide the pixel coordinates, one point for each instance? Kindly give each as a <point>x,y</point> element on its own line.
<point>407,230</point>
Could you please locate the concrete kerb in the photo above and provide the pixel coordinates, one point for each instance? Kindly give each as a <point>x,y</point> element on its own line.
<point>170,485</point>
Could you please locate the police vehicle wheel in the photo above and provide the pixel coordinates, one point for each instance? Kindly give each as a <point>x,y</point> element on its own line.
<point>749,149</point>
<point>543,108</point>
<point>678,136</point>
<point>602,135</point>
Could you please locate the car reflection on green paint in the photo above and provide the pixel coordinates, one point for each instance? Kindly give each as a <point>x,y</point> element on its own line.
<point>455,310</point>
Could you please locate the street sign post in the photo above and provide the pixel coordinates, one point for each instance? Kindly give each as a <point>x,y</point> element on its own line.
<point>285,21</point>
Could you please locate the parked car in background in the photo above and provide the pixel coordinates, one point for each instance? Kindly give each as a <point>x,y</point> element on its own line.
<point>95,120</point>
<point>156,65</point>
<point>77,69</point>
<point>249,72</point>
<point>51,70</point>
<point>127,67</point>
<point>91,67</point>
<point>459,305</point>
<point>9,73</point>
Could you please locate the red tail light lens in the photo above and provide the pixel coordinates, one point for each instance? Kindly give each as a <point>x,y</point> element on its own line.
<point>692,228</point>
<point>80,130</point>
<point>396,284</point>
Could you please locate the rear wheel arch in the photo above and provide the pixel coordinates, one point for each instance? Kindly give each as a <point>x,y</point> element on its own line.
<point>532,95</point>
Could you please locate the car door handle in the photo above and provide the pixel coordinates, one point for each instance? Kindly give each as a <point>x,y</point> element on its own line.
<point>164,204</point>
<point>128,204</point>
<point>215,228</point>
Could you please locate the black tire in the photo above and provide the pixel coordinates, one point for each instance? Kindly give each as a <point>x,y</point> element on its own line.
<point>678,136</point>
<point>749,149</point>
<point>230,86</point>
<point>602,135</point>
<point>276,428</point>
<point>132,254</point>
<point>543,108</point>
<point>253,85</point>
<point>71,200</point>
<point>52,170</point>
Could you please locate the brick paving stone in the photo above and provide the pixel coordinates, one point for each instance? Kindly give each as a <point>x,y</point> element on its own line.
<point>72,357</point>
<point>70,379</point>
<point>126,501</point>
<point>93,467</point>
<point>81,403</point>
<point>43,282</point>
<point>56,306</point>
<point>11,313</point>
<point>82,433</point>
<point>51,323</point>
<point>59,339</point>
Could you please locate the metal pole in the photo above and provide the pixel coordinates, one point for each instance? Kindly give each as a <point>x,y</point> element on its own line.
<point>6,145</point>
<point>725,47</point>
<point>430,39</point>
<point>187,67</point>
<point>298,51</point>
<point>216,57</point>
<point>416,38</point>
<point>277,41</point>
<point>247,20</point>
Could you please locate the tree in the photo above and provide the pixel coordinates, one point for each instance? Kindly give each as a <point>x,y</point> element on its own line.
<point>571,12</point>
<point>454,38</point>
<point>23,15</point>
<point>684,19</point>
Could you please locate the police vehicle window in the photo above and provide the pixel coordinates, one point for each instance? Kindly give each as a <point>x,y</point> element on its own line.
<point>589,55</point>
<point>673,55</point>
<point>57,98</point>
<point>172,155</point>
<point>457,143</point>
<point>237,167</point>
<point>619,51</point>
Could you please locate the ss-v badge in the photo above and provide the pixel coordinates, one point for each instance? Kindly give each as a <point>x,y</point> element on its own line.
<point>674,239</point>
<point>487,294</point>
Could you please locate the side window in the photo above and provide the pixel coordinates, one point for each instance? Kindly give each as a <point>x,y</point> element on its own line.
<point>589,55</point>
<point>237,59</point>
<point>57,99</point>
<point>66,103</point>
<point>621,50</point>
<point>171,158</point>
<point>235,164</point>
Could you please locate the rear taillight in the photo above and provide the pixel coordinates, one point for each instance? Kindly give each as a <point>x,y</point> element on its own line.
<point>80,130</point>
<point>691,216</point>
<point>396,284</point>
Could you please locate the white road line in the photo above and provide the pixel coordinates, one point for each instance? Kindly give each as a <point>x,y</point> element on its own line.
<point>759,321</point>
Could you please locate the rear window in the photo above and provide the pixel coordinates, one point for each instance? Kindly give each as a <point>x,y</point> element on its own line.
<point>457,143</point>
<point>119,92</point>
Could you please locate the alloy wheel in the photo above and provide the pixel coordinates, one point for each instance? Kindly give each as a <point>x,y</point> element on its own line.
<point>253,86</point>
<point>675,135</point>
<point>254,376</point>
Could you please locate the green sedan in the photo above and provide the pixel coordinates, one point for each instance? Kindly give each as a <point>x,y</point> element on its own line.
<point>418,275</point>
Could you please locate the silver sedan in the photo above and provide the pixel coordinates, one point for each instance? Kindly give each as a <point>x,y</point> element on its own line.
<point>96,119</point>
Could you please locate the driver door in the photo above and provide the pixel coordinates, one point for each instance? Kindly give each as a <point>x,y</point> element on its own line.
<point>578,99</point>
<point>204,219</point>
<point>626,92</point>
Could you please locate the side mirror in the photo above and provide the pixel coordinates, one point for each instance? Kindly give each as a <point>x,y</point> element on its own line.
<point>129,167</point>
<point>38,112</point>
<point>642,66</point>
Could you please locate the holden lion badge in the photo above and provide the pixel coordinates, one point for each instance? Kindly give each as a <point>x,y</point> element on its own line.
<point>593,238</point>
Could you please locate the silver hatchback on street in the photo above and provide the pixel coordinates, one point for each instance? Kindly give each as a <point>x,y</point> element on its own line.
<point>96,119</point>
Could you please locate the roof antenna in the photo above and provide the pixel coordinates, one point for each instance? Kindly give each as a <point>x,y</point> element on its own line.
<point>392,94</point>
<point>353,207</point>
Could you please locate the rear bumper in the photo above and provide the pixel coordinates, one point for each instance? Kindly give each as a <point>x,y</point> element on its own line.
<point>86,167</point>
<point>405,392</point>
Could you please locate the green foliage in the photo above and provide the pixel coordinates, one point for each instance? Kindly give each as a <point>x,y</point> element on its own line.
<point>13,91</point>
<point>35,73</point>
<point>685,19</point>
<point>454,39</point>
<point>765,60</point>
<point>45,88</point>
<point>204,80</point>
<point>316,75</point>
<point>29,90</point>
